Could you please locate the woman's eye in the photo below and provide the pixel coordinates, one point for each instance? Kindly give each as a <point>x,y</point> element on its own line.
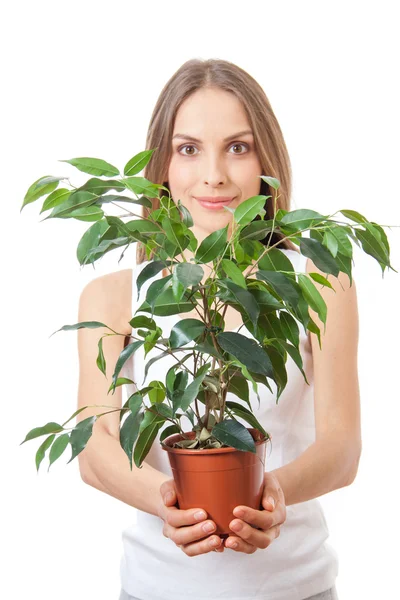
<point>239,144</point>
<point>186,146</point>
<point>232,146</point>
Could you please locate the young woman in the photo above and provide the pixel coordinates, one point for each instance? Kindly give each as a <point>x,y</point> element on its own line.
<point>215,134</point>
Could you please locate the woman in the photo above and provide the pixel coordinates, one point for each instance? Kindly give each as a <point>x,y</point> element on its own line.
<point>206,112</point>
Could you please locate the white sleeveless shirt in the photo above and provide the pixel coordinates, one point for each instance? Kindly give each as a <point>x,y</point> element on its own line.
<point>297,564</point>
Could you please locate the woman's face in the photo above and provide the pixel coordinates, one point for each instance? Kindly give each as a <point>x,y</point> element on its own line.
<point>213,165</point>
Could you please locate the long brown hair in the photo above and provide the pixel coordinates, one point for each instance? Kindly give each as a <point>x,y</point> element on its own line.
<point>270,146</point>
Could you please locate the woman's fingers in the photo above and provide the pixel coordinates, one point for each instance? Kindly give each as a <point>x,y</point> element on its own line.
<point>179,517</point>
<point>203,546</point>
<point>187,534</point>
<point>192,536</point>
<point>260,519</point>
<point>250,539</point>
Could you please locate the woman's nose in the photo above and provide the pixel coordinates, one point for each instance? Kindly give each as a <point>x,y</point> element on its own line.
<point>214,172</point>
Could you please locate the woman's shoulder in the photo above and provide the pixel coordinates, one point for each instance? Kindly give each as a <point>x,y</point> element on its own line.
<point>111,294</point>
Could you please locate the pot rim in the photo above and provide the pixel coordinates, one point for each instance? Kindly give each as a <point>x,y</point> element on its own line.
<point>207,451</point>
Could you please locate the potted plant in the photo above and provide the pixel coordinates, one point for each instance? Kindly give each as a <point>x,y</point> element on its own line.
<point>220,453</point>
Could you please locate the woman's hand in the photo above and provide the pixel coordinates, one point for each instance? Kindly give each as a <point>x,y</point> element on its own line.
<point>259,528</point>
<point>182,526</point>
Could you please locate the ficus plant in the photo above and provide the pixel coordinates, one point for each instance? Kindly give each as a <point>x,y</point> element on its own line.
<point>272,298</point>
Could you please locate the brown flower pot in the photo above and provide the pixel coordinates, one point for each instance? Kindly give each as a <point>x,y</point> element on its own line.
<point>218,479</point>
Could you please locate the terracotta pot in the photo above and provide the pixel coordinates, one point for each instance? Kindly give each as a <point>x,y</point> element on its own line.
<point>218,479</point>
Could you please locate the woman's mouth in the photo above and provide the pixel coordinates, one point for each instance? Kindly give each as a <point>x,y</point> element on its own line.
<point>214,203</point>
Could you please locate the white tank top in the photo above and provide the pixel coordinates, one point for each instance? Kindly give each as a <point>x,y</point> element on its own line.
<point>299,563</point>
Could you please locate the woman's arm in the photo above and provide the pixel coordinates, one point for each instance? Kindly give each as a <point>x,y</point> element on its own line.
<point>331,462</point>
<point>103,464</point>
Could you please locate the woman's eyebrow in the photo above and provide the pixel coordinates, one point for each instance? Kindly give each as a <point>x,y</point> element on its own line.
<point>184,136</point>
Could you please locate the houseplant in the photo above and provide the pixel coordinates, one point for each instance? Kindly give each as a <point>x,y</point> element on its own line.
<point>236,360</point>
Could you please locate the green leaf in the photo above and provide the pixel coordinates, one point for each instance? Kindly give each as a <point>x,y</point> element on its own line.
<point>276,260</point>
<point>138,162</point>
<point>107,198</point>
<point>157,393</point>
<point>284,285</point>
<point>188,274</point>
<point>382,234</point>
<point>266,301</point>
<point>135,402</point>
<point>122,381</point>
<point>119,225</point>
<point>81,325</point>
<point>272,181</point>
<point>74,415</point>
<point>174,232</point>
<point>185,214</point>
<point>156,289</point>
<point>313,297</point>
<point>55,198</point>
<point>73,202</point>
<point>40,187</point>
<point>171,430</point>
<point>143,321</point>
<point>353,215</point>
<point>146,439</point>
<point>208,348</point>
<point>301,219</point>
<point>94,166</point>
<point>331,242</point>
<point>247,351</point>
<point>243,298</point>
<point>185,331</point>
<point>166,304</point>
<point>123,357</point>
<point>141,185</point>
<point>58,448</point>
<point>80,435</point>
<point>344,265</point>
<point>271,325</point>
<point>149,271</point>
<point>104,247</point>
<point>130,429</point>
<point>372,244</point>
<point>320,256</point>
<point>101,186</point>
<point>278,363</point>
<point>289,327</point>
<point>295,355</point>
<point>101,361</point>
<point>249,209</point>
<point>169,382</point>
<point>344,244</point>
<point>321,279</point>
<point>38,431</point>
<point>40,454</point>
<point>86,213</point>
<point>239,386</point>
<point>186,397</point>
<point>233,272</point>
<point>243,413</point>
<point>90,240</point>
<point>153,360</point>
<point>255,230</point>
<point>163,410</point>
<point>234,434</point>
<point>212,246</point>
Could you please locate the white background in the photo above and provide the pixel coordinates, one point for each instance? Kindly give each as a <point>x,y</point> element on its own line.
<point>81,79</point>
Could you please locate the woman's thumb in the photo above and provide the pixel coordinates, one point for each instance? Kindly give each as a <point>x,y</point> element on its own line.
<point>168,493</point>
<point>268,501</point>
